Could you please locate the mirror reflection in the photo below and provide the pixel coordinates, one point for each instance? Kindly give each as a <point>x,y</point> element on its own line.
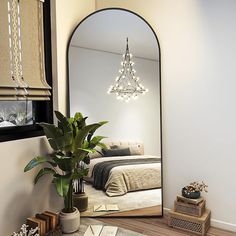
<point>106,82</point>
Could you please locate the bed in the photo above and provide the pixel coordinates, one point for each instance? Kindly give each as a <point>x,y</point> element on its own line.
<point>118,175</point>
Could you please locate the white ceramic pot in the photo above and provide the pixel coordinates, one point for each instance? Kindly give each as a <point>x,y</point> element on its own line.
<point>70,222</point>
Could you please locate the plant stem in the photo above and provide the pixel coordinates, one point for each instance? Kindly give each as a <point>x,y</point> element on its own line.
<point>80,185</point>
<point>68,200</point>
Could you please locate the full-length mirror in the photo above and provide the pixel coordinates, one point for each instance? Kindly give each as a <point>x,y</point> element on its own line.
<point>114,75</point>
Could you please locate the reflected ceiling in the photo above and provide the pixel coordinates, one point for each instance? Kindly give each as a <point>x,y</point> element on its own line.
<point>111,38</point>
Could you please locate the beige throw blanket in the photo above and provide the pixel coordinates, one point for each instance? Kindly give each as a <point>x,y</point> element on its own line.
<point>123,179</point>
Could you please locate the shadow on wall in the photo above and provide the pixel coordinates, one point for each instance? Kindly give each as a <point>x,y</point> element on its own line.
<point>24,199</point>
<point>25,204</point>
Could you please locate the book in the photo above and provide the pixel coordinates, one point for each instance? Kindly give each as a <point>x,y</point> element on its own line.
<point>102,207</point>
<point>43,227</point>
<point>34,222</point>
<point>109,231</point>
<point>56,215</point>
<point>53,219</point>
<point>93,230</point>
<point>112,207</point>
<point>97,208</point>
<point>46,219</point>
<point>100,230</point>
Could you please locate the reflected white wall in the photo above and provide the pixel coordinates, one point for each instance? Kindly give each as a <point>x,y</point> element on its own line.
<point>91,74</point>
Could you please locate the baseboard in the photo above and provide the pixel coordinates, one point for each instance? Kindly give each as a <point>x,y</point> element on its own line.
<point>223,225</point>
<point>165,211</point>
<point>215,223</point>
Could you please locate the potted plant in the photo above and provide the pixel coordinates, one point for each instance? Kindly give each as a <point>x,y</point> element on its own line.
<point>71,141</point>
<point>80,198</point>
<point>194,189</point>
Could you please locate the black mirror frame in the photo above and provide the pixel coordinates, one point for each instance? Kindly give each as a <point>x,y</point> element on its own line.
<point>160,90</point>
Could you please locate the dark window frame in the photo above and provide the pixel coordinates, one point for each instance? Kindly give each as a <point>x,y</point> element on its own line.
<point>43,109</point>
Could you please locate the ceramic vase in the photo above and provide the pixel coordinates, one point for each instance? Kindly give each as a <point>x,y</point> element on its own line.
<point>192,195</point>
<point>70,222</point>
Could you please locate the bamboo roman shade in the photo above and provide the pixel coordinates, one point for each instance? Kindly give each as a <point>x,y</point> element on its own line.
<point>22,68</point>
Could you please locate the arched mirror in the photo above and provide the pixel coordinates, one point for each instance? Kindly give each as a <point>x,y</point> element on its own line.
<point>106,82</point>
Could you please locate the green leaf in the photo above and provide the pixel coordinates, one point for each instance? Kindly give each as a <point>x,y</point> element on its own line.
<point>95,140</point>
<point>42,172</point>
<point>36,161</point>
<point>81,123</point>
<point>79,120</point>
<point>80,174</point>
<point>85,144</point>
<point>86,160</point>
<point>103,122</point>
<point>53,135</point>
<point>91,132</point>
<point>56,144</point>
<point>81,135</point>
<point>90,129</point>
<point>78,156</point>
<point>68,138</point>
<point>64,163</point>
<point>62,184</point>
<point>102,145</point>
<point>51,131</point>
<point>71,120</point>
<point>56,138</point>
<point>88,150</point>
<point>63,122</point>
<point>78,116</point>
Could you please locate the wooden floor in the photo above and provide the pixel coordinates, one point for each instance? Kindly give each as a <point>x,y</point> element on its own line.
<point>150,211</point>
<point>157,227</point>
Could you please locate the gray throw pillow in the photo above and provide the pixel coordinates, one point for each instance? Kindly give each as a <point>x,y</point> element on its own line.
<point>134,148</point>
<point>116,152</point>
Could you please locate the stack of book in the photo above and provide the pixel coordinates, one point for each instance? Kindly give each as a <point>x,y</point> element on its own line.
<point>190,215</point>
<point>46,222</point>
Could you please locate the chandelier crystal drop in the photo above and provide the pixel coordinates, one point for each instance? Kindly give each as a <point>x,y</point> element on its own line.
<point>127,83</point>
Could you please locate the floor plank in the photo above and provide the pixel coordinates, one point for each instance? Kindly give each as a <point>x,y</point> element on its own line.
<point>150,211</point>
<point>157,227</point>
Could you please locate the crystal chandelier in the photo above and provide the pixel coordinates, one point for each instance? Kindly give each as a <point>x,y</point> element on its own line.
<point>127,83</point>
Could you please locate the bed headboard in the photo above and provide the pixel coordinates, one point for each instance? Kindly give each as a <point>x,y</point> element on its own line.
<point>136,148</point>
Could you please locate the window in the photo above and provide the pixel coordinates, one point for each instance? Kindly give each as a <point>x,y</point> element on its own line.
<point>25,68</point>
<point>16,113</point>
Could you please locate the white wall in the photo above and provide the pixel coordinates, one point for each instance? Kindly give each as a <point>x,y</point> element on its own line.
<point>91,74</point>
<point>197,39</point>
<point>65,17</point>
<point>19,197</point>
